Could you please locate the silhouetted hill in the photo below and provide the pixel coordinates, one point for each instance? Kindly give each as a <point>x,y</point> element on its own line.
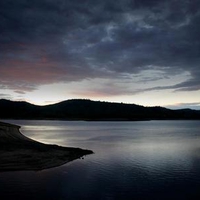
<point>18,110</point>
<point>91,110</point>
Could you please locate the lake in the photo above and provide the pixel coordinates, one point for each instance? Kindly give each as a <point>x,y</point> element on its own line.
<point>132,160</point>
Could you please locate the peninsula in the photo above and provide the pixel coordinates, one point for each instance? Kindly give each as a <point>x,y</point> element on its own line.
<point>18,152</point>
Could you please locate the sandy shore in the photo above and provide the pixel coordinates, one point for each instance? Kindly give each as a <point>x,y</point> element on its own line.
<point>18,152</point>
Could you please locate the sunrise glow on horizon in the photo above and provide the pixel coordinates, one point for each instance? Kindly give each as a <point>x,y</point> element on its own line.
<point>141,52</point>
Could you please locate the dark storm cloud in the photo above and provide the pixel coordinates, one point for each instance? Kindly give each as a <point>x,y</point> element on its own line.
<point>192,84</point>
<point>48,41</point>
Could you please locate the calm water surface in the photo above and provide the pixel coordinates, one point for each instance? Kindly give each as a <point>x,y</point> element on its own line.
<point>132,160</point>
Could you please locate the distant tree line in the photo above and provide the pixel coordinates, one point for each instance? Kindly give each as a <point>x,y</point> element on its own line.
<point>78,109</point>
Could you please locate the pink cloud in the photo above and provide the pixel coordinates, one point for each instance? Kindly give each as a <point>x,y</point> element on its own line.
<point>21,74</point>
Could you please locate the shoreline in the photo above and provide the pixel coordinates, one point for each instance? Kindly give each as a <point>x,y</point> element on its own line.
<point>18,152</point>
<point>101,119</point>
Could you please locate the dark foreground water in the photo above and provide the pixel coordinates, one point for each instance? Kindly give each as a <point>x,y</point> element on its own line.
<point>132,160</point>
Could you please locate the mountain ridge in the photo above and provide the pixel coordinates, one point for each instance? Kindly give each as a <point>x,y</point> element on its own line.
<point>84,109</point>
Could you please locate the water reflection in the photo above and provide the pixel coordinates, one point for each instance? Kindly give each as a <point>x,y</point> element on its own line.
<point>132,160</point>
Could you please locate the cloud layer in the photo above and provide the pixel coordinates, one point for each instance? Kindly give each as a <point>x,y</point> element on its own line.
<point>51,41</point>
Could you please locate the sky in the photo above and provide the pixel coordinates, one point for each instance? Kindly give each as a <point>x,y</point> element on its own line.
<point>145,52</point>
